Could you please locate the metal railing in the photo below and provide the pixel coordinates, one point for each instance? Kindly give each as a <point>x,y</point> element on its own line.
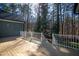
<point>68,41</point>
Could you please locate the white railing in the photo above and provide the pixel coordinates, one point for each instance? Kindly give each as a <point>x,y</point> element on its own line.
<point>69,41</point>
<point>32,36</point>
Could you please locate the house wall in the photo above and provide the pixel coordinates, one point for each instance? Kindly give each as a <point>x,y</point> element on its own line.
<point>10,28</point>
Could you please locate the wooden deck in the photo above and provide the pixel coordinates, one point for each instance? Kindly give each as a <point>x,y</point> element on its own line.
<point>19,47</point>
<point>16,46</point>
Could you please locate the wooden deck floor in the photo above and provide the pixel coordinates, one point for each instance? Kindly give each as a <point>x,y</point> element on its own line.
<point>19,47</point>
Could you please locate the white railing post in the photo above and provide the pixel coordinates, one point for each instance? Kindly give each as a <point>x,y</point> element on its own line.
<point>25,34</point>
<point>31,35</point>
<point>41,36</point>
<point>20,34</point>
<point>54,40</point>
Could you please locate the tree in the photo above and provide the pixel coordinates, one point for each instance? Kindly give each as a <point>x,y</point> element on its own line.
<point>25,13</point>
<point>42,18</point>
<point>55,19</point>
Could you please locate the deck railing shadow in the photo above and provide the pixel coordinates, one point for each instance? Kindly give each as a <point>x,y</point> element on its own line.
<point>67,44</point>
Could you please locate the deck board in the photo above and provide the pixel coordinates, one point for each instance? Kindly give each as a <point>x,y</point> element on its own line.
<point>16,46</point>
<point>19,47</point>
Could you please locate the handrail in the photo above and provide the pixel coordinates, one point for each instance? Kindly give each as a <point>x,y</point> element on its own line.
<point>69,41</point>
<point>24,33</point>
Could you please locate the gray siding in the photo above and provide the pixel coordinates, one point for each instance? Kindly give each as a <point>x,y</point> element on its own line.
<point>10,28</point>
